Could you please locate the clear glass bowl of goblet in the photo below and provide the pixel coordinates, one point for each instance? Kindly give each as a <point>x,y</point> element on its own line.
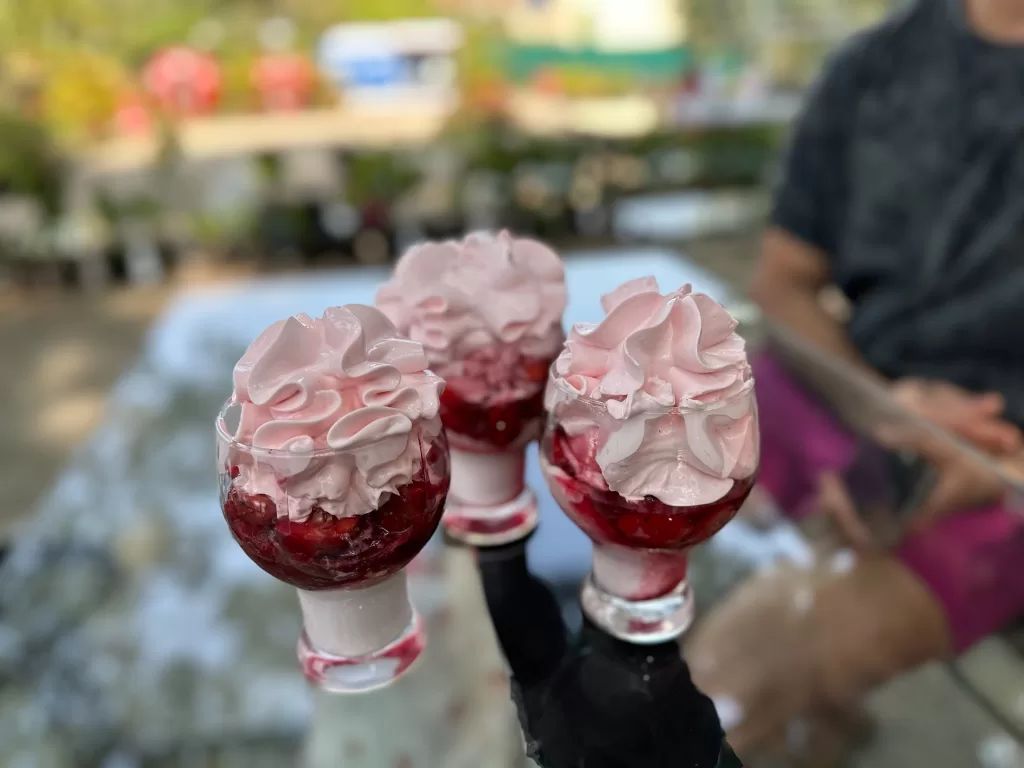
<point>638,589</point>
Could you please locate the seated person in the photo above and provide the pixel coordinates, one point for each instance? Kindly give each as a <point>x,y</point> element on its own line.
<point>904,188</point>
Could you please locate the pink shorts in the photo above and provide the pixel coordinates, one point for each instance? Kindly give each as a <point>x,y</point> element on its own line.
<point>973,561</point>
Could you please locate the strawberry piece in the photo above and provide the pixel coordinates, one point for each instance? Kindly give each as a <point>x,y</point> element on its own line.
<point>536,370</point>
<point>258,510</point>
<point>321,533</point>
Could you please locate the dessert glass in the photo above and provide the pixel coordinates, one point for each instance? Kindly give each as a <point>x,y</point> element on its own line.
<point>492,408</point>
<point>488,312</point>
<point>360,631</point>
<point>637,589</point>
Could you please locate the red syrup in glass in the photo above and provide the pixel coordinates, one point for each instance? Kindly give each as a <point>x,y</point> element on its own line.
<point>608,518</point>
<point>327,552</point>
<point>484,400</point>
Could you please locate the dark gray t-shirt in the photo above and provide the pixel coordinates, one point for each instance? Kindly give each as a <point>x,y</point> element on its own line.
<point>907,169</point>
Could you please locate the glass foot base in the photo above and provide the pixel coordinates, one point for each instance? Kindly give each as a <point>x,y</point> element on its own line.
<point>358,674</point>
<point>485,526</point>
<point>644,622</point>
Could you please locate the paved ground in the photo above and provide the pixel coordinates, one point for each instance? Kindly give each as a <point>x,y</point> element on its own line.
<point>60,355</point>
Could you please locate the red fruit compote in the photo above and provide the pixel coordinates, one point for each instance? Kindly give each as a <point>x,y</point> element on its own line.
<point>651,448</point>
<point>326,552</point>
<point>334,468</point>
<point>488,310</point>
<point>492,407</point>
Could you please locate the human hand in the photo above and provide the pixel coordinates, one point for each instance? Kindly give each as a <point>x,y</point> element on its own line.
<point>963,481</point>
<point>977,418</point>
<point>960,484</point>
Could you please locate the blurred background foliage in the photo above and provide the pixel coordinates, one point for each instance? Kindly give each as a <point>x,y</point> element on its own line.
<point>70,62</point>
<point>29,164</point>
<point>73,61</point>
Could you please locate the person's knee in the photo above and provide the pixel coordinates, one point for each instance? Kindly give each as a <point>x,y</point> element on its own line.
<point>794,641</point>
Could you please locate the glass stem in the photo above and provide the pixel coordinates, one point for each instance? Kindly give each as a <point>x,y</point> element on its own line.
<point>356,622</point>
<point>487,479</point>
<point>638,574</point>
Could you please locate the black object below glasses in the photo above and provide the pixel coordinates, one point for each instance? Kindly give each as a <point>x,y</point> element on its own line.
<point>587,699</point>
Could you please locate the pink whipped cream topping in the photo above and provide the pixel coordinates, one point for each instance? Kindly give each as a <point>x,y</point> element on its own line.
<point>650,354</point>
<point>347,384</point>
<point>487,290</point>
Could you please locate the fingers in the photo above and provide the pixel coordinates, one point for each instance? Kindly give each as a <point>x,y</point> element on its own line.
<point>994,436</point>
<point>991,403</point>
<point>976,417</point>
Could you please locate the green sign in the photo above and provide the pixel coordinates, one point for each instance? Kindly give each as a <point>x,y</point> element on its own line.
<point>524,61</point>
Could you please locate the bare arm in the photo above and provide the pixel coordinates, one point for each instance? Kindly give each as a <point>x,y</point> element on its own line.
<point>788,281</point>
<point>787,284</point>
